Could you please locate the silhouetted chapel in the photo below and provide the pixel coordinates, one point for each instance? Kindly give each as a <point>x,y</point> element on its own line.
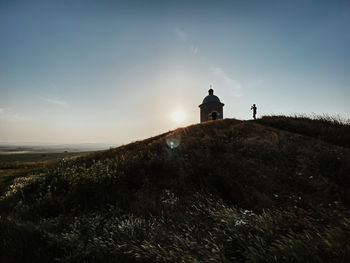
<point>211,107</point>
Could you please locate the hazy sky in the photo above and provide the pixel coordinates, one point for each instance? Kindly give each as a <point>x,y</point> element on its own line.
<point>116,71</point>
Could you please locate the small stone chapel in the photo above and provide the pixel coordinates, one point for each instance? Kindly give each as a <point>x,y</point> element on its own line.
<point>211,108</point>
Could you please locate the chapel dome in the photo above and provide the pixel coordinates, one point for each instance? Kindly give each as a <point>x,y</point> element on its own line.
<point>211,97</point>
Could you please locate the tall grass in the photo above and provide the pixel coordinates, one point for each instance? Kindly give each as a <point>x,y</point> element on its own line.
<point>332,129</point>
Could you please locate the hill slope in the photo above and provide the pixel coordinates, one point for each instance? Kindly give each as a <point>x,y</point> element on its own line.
<point>222,191</point>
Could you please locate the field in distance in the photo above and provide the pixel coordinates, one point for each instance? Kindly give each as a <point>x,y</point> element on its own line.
<point>45,152</point>
<point>22,159</point>
<point>38,157</point>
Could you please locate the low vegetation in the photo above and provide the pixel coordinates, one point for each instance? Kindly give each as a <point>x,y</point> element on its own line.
<point>272,190</point>
<point>13,165</point>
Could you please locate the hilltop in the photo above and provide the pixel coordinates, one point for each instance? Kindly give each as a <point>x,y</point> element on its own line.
<point>275,189</point>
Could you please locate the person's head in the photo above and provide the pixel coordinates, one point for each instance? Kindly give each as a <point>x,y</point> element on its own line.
<point>254,105</point>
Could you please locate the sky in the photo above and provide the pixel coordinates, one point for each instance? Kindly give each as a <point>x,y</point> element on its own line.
<point>108,71</point>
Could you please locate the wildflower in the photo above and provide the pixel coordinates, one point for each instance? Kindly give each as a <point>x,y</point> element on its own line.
<point>240,222</point>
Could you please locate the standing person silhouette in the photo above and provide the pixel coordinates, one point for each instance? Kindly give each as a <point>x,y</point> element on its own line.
<point>254,108</point>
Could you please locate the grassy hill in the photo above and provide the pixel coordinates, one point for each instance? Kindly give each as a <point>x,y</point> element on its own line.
<point>272,190</point>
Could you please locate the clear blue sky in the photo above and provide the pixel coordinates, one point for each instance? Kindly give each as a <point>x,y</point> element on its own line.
<point>116,71</point>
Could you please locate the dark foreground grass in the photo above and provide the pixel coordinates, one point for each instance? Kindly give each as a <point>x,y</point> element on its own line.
<point>232,191</point>
<point>207,231</point>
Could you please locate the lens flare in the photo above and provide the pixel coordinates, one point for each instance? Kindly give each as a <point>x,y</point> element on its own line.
<point>173,141</point>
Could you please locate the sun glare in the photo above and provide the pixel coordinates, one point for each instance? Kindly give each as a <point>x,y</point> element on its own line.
<point>178,116</point>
